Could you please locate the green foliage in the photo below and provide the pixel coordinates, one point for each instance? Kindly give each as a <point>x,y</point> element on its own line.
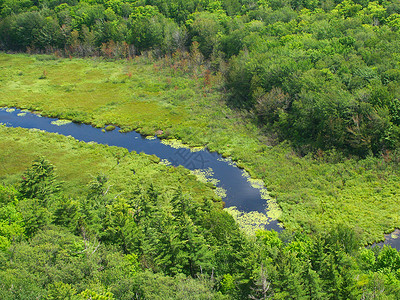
<point>322,75</point>
<point>162,245</point>
<point>327,61</point>
<point>11,220</point>
<point>148,285</point>
<point>204,28</point>
<point>39,181</point>
<point>35,216</point>
<point>60,290</point>
<point>146,28</point>
<point>163,232</point>
<point>30,30</point>
<point>60,263</point>
<point>89,294</point>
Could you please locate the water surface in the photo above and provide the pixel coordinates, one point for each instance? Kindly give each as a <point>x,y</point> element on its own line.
<point>392,239</point>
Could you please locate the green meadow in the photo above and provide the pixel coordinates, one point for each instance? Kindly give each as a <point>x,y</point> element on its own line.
<point>315,193</point>
<point>79,163</point>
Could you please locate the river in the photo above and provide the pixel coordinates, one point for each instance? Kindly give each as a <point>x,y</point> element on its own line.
<point>234,185</point>
<point>237,190</point>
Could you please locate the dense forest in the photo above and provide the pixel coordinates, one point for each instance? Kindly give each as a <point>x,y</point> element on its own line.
<point>322,74</point>
<point>304,94</point>
<point>132,237</point>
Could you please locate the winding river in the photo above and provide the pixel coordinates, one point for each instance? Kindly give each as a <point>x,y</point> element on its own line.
<point>234,185</point>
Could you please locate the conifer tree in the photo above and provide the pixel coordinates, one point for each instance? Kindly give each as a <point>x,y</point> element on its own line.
<point>39,181</point>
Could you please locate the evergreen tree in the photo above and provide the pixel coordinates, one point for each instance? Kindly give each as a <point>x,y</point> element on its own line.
<point>39,181</point>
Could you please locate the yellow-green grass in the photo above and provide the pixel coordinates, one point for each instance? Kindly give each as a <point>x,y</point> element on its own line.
<point>313,194</point>
<point>77,163</point>
<point>87,90</point>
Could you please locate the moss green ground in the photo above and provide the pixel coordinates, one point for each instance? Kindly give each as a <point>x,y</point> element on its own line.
<point>313,193</point>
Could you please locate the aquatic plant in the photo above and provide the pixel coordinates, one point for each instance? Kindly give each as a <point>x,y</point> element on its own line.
<point>178,144</point>
<point>61,122</point>
<point>249,222</point>
<point>110,128</point>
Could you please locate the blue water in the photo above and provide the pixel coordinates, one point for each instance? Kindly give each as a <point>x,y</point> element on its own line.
<point>239,191</point>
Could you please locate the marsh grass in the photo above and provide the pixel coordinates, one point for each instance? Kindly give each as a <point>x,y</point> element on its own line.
<point>313,193</point>
<point>78,163</point>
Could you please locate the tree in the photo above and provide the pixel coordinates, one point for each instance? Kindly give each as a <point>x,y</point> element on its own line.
<point>269,105</point>
<point>263,289</point>
<point>39,181</point>
<point>119,227</point>
<point>347,8</point>
<point>205,28</point>
<point>61,291</point>
<point>11,220</point>
<point>146,26</point>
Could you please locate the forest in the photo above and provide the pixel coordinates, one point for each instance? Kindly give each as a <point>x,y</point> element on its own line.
<point>321,74</point>
<point>133,237</point>
<point>303,94</point>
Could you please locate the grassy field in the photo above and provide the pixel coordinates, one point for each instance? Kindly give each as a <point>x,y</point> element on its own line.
<point>314,193</point>
<point>78,163</point>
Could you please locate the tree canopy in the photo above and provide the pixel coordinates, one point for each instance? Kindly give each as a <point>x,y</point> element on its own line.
<point>321,74</point>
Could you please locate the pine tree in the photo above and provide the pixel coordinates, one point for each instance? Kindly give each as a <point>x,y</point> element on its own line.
<point>263,286</point>
<point>313,284</point>
<point>39,181</point>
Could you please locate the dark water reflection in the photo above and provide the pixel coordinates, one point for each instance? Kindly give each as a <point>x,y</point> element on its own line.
<point>239,192</point>
<point>391,239</point>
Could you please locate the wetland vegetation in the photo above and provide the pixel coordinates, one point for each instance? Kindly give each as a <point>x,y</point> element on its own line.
<point>304,95</point>
<point>314,191</point>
